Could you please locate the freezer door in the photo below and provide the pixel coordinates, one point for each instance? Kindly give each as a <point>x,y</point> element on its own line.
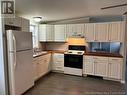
<point>19,41</point>
<point>21,72</point>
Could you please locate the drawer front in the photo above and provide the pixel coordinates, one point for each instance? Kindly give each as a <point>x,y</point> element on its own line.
<point>100,59</point>
<point>115,60</point>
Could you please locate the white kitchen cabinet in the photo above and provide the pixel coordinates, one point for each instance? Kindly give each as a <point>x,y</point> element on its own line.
<point>60,33</point>
<point>9,21</point>
<point>25,25</point>
<point>88,65</point>
<point>42,65</point>
<point>46,32</point>
<point>35,65</point>
<point>101,66</point>
<point>58,62</point>
<point>116,30</point>
<point>115,68</point>
<point>101,32</point>
<point>89,32</point>
<point>16,21</point>
<point>42,32</point>
<point>74,30</point>
<point>49,32</point>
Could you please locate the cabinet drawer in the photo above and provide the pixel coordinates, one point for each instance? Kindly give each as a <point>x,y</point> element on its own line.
<point>100,59</point>
<point>88,57</point>
<point>115,60</point>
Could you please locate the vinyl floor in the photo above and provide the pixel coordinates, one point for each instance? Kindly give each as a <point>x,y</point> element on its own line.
<point>60,84</point>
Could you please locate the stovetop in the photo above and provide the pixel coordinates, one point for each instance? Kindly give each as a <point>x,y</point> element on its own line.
<point>74,52</point>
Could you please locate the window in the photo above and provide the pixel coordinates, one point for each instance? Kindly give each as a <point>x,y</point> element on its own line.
<point>33,29</point>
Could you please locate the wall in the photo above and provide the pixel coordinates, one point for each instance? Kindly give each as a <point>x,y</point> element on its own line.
<point>56,46</point>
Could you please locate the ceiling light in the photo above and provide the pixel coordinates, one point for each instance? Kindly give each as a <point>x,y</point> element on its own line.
<point>37,19</point>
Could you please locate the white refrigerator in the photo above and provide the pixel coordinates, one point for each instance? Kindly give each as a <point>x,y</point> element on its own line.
<point>20,68</point>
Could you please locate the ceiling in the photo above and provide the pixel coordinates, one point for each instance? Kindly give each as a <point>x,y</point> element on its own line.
<point>64,9</point>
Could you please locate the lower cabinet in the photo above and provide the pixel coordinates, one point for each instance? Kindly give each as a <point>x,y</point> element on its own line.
<point>109,67</point>
<point>115,68</point>
<point>42,65</point>
<point>58,62</point>
<point>101,66</point>
<point>88,65</point>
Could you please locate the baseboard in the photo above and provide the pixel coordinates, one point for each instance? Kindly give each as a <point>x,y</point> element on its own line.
<point>57,71</point>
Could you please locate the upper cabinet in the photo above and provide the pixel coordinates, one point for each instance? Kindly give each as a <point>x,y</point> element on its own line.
<point>104,32</point>
<point>89,32</point>
<point>16,21</point>
<point>92,32</point>
<point>116,30</point>
<point>74,30</point>
<point>42,32</point>
<point>60,33</point>
<point>101,32</point>
<point>25,25</point>
<point>49,32</point>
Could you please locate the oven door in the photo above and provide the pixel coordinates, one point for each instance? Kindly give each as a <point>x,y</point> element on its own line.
<point>73,61</point>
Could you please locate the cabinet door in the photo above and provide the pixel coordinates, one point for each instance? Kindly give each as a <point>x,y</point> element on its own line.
<point>35,63</point>
<point>18,21</point>
<point>47,61</point>
<point>42,33</point>
<point>60,33</point>
<point>9,21</point>
<point>116,30</point>
<point>75,30</point>
<point>41,66</point>
<point>79,29</point>
<point>70,30</point>
<point>25,25</point>
<point>115,68</point>
<point>88,65</point>
<point>49,32</point>
<point>101,66</point>
<point>58,62</point>
<point>101,32</point>
<point>89,32</point>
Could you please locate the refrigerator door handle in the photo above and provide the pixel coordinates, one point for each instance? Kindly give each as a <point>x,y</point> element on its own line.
<point>14,46</point>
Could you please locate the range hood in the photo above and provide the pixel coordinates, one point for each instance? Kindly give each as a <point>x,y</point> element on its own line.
<point>76,41</point>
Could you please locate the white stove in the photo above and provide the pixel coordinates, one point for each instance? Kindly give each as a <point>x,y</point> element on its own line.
<point>73,60</point>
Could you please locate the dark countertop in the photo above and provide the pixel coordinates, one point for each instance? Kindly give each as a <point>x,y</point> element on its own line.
<point>87,53</point>
<point>47,52</point>
<point>103,54</point>
<point>40,54</point>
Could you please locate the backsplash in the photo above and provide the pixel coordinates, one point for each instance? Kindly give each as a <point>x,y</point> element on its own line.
<point>105,47</point>
<point>56,46</point>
